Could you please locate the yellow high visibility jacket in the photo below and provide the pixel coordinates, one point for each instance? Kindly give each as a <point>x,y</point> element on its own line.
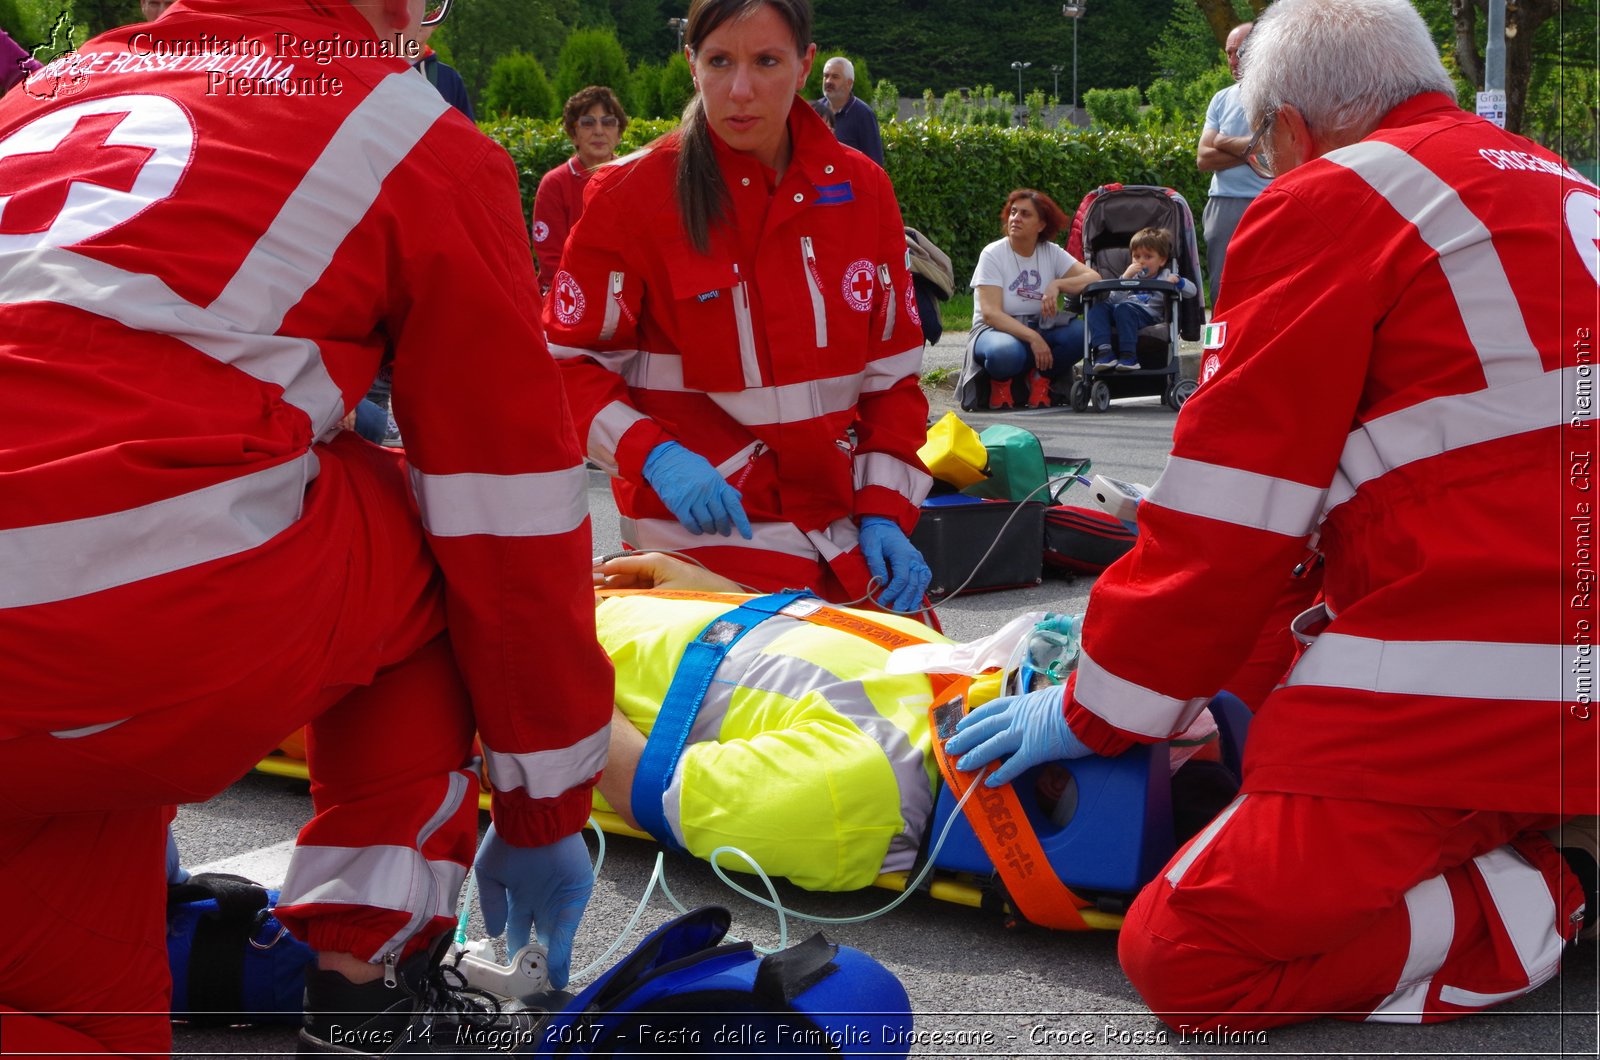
<point>804,754</point>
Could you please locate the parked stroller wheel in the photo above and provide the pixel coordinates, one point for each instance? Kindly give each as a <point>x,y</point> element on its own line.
<point>1080,396</point>
<point>1100,396</point>
<point>1183,392</point>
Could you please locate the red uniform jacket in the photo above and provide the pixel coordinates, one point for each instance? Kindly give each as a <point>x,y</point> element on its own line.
<point>191,303</point>
<point>762,355</point>
<point>556,208</point>
<point>1404,348</point>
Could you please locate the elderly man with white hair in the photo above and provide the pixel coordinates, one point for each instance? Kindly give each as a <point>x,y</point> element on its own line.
<point>1410,303</point>
<point>853,122</point>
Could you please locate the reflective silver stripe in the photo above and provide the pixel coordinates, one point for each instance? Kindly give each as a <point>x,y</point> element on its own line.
<point>1433,928</point>
<point>1201,841</point>
<point>747,333</point>
<point>790,403</point>
<point>606,431</point>
<point>144,303</point>
<point>819,311</point>
<point>379,877</point>
<point>890,472</point>
<point>535,504</point>
<point>1527,910</point>
<point>444,895</point>
<point>786,538</point>
<point>1243,498</point>
<point>87,730</point>
<point>1444,424</point>
<point>608,326</point>
<point>1460,669</point>
<point>888,291</point>
<point>1130,707</point>
<point>615,360</point>
<point>60,561</point>
<point>547,774</point>
<point>656,371</point>
<point>331,200</point>
<point>885,372</point>
<point>1489,310</point>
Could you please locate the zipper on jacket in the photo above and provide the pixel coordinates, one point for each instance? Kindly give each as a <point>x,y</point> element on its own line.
<point>614,308</point>
<point>819,311</point>
<point>391,978</point>
<point>737,481</point>
<point>888,301</point>
<point>747,331</point>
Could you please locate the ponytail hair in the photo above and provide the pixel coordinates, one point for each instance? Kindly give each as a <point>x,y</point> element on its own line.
<point>702,194</point>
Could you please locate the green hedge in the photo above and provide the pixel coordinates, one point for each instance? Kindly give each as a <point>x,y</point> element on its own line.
<point>951,182</point>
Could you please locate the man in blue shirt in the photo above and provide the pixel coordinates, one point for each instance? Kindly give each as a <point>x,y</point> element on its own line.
<point>1223,144</point>
<point>853,121</point>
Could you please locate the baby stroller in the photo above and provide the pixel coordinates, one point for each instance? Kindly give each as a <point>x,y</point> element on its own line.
<point>1106,220</point>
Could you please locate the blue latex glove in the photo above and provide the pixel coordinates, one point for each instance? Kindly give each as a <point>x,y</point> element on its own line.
<point>546,887</point>
<point>895,562</point>
<point>1031,728</point>
<point>700,498</point>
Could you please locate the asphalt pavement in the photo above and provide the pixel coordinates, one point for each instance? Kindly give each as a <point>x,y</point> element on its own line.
<point>977,987</point>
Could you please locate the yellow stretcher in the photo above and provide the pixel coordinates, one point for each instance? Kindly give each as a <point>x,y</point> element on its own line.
<point>956,888</point>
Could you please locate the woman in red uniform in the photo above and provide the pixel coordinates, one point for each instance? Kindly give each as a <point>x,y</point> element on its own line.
<point>738,334</point>
<point>595,121</point>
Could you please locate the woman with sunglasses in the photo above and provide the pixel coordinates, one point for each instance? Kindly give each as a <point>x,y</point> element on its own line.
<point>738,332</point>
<point>594,121</point>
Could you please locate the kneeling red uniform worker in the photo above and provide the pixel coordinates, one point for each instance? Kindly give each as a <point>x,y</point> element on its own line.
<point>199,277</point>
<point>1394,340</point>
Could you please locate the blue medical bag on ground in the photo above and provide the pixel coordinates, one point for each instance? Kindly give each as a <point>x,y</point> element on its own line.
<point>232,962</point>
<point>685,990</point>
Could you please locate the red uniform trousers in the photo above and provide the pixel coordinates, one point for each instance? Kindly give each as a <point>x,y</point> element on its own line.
<point>82,821</point>
<point>1290,907</point>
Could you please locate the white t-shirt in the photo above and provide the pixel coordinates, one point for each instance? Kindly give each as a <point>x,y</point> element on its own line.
<point>1021,279</point>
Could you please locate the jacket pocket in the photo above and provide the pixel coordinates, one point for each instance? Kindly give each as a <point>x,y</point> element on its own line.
<point>711,325</point>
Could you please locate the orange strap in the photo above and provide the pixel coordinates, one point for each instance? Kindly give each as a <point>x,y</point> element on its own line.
<point>886,637</point>
<point>1001,825</point>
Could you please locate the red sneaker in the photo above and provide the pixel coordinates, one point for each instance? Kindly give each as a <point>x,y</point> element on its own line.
<point>1038,392</point>
<point>1000,394</point>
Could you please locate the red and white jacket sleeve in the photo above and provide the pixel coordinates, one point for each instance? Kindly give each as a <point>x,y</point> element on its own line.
<point>501,487</point>
<point>1253,457</point>
<point>892,412</point>
<point>550,213</point>
<point>591,318</point>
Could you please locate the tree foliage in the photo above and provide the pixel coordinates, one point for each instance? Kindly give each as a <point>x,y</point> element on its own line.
<point>479,32</point>
<point>593,57</point>
<point>518,87</point>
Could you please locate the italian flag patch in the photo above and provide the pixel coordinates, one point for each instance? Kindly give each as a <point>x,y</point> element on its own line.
<point>1215,335</point>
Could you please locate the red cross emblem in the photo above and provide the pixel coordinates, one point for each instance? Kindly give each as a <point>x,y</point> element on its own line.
<point>1583,224</point>
<point>859,284</point>
<point>81,170</point>
<point>568,298</point>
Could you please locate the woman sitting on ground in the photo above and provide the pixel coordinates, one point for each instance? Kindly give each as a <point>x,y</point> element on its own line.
<point>1017,326</point>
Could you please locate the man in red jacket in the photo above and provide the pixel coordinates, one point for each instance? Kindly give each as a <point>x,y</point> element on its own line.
<point>1401,349</point>
<point>209,240</point>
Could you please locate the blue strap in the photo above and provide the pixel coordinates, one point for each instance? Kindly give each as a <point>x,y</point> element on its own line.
<point>682,705</point>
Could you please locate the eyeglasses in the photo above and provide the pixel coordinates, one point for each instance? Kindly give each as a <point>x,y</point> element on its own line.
<point>435,12</point>
<point>589,121</point>
<point>1256,154</point>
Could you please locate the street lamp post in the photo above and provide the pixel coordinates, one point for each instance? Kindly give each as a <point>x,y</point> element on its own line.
<point>1019,66</point>
<point>1075,12</point>
<point>677,25</point>
<point>1056,70</point>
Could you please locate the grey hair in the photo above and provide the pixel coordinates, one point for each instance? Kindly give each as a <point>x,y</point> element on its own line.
<point>839,60</point>
<point>1343,64</point>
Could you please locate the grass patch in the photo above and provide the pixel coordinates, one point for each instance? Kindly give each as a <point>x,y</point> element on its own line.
<point>956,314</point>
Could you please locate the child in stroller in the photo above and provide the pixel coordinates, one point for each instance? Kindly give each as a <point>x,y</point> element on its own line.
<point>1125,312</point>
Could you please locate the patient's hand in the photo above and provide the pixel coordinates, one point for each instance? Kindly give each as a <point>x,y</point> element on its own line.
<point>653,570</point>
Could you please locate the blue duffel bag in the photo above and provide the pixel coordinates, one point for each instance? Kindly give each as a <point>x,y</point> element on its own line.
<point>685,990</point>
<point>232,962</point>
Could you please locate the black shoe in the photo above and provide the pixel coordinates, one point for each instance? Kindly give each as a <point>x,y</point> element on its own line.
<point>421,1006</point>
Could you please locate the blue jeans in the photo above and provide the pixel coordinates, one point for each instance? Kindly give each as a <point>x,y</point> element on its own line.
<point>1006,357</point>
<point>1126,317</point>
